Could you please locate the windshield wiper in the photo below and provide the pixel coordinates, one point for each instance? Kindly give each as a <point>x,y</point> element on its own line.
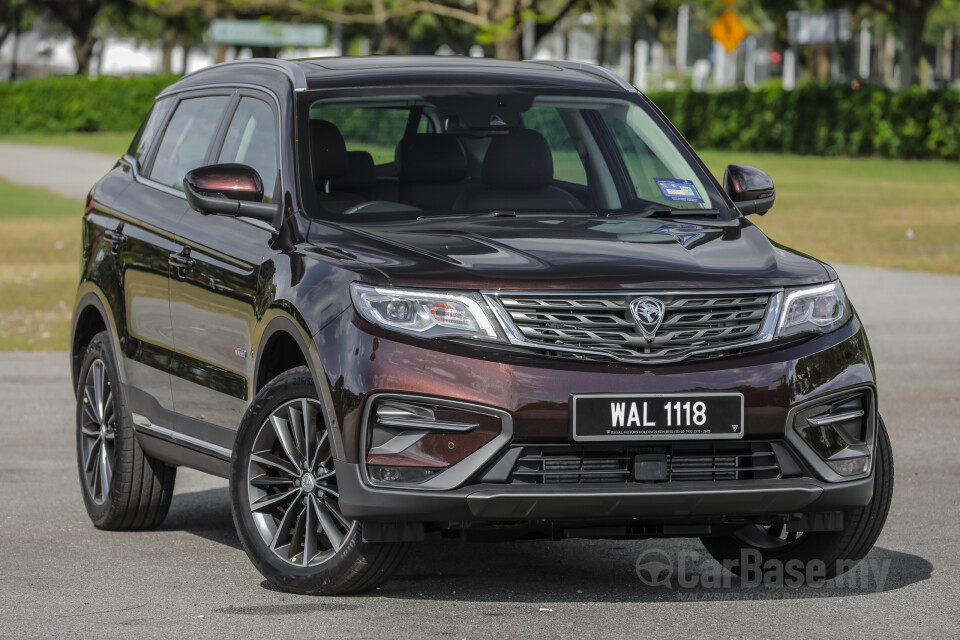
<point>663,212</point>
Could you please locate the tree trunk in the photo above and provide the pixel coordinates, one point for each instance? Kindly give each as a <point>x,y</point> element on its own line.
<point>911,22</point>
<point>168,41</point>
<point>508,46</point>
<point>83,50</point>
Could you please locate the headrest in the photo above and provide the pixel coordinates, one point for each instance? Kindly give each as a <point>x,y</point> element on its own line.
<point>431,157</point>
<point>518,160</point>
<point>360,172</point>
<point>328,150</point>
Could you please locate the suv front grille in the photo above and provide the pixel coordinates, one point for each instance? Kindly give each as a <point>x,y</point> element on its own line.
<point>710,324</point>
<point>714,462</point>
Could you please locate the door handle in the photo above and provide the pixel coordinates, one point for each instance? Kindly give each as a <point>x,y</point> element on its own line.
<point>182,261</point>
<point>116,237</point>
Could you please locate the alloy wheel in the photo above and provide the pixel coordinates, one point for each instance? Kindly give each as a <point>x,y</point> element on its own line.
<point>292,486</point>
<point>98,431</point>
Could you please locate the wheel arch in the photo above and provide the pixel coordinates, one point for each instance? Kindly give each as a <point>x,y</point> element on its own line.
<point>283,345</point>
<point>91,315</point>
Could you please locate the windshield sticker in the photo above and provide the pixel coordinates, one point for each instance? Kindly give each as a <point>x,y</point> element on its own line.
<point>678,190</point>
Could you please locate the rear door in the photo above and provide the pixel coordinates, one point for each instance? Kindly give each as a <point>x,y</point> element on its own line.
<point>146,239</point>
<point>214,302</point>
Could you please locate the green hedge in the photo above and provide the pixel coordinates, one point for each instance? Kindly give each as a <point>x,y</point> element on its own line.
<point>65,103</point>
<point>812,119</point>
<point>820,120</point>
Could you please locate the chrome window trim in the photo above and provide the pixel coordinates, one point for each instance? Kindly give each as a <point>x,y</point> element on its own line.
<point>765,335</point>
<point>159,186</point>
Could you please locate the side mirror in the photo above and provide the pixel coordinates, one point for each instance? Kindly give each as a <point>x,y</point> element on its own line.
<point>750,188</point>
<point>228,190</point>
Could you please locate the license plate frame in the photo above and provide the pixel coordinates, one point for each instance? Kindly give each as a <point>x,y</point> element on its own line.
<point>722,427</point>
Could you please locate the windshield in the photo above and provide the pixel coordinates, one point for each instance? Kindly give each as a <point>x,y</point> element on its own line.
<point>496,151</point>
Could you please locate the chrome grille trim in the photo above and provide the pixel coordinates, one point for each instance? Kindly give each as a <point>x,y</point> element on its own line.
<point>600,319</point>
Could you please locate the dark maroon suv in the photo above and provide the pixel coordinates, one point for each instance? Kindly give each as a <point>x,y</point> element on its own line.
<point>399,298</point>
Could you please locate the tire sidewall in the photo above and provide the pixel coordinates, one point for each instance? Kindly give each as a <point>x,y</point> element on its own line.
<point>100,348</point>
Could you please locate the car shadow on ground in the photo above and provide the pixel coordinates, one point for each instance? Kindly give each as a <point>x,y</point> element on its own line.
<point>544,572</point>
<point>205,514</point>
<point>620,571</point>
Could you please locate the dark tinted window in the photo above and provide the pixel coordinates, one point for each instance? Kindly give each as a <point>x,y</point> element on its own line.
<point>376,130</point>
<point>252,140</point>
<point>187,138</point>
<point>148,131</point>
<point>567,165</point>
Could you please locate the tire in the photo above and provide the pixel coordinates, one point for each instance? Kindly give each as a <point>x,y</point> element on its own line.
<point>123,488</point>
<point>835,549</point>
<point>284,498</point>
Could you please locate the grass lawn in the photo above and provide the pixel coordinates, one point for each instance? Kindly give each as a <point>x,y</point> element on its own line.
<point>111,143</point>
<point>39,267</point>
<point>867,211</point>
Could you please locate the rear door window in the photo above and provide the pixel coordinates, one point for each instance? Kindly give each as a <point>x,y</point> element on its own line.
<point>187,138</point>
<point>252,140</point>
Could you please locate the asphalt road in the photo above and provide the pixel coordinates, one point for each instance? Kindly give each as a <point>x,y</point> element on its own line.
<point>61,577</point>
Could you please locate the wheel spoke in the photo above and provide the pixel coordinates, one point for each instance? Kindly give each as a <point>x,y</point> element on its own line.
<point>309,432</point>
<point>106,468</point>
<point>95,483</point>
<point>93,455</point>
<point>309,534</point>
<point>322,451</point>
<point>295,424</point>
<point>282,428</point>
<point>330,491</point>
<point>267,502</point>
<point>88,409</point>
<point>267,459</point>
<point>334,535</point>
<point>282,535</point>
<point>296,541</point>
<point>89,431</point>
<point>98,389</point>
<point>108,405</point>
<point>266,482</point>
<point>335,512</point>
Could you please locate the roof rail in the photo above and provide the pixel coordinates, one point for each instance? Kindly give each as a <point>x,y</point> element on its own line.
<point>592,69</point>
<point>292,70</point>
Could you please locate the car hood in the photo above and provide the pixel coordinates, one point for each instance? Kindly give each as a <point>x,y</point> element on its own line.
<point>568,252</point>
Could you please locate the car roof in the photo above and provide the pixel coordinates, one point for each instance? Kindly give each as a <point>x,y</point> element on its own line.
<point>372,71</point>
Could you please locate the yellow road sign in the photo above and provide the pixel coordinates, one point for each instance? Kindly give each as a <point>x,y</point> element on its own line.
<point>728,30</point>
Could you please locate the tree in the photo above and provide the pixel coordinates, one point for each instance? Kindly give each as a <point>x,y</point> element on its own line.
<point>911,18</point>
<point>79,17</point>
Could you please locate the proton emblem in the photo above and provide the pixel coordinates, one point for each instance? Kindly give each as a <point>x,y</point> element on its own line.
<point>648,314</point>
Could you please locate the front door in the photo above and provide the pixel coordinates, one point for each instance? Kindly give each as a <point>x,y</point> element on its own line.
<point>214,301</point>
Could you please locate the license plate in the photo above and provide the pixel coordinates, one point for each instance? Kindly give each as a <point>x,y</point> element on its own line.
<point>694,416</point>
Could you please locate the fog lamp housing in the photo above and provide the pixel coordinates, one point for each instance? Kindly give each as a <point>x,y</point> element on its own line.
<point>836,434</point>
<point>427,443</point>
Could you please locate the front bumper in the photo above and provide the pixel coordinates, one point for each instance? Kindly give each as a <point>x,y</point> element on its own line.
<point>536,394</point>
<point>692,502</point>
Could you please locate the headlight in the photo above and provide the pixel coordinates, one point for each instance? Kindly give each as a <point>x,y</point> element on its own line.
<point>818,309</point>
<point>427,314</point>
